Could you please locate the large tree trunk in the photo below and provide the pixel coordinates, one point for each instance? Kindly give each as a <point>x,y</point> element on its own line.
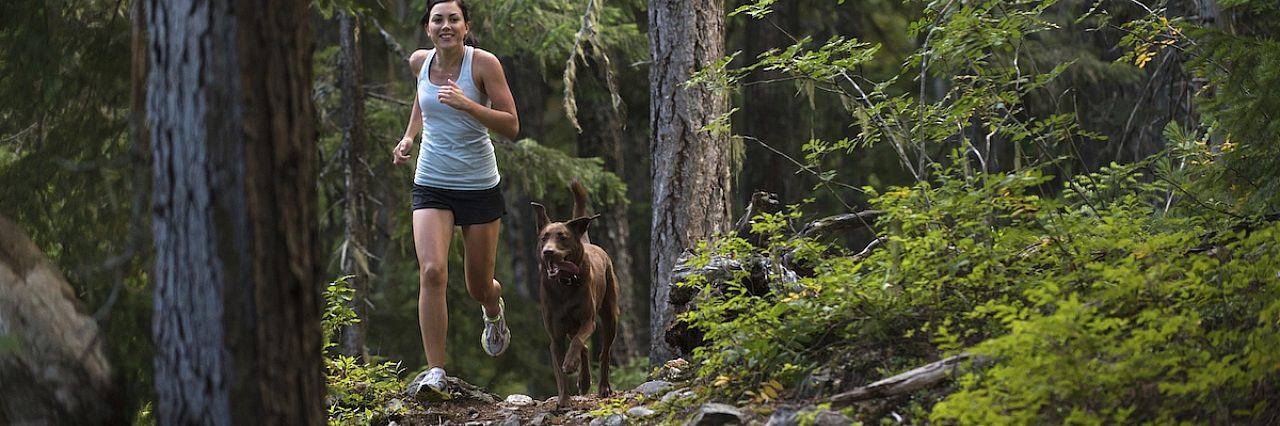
<point>601,136</point>
<point>237,312</point>
<point>354,258</point>
<point>691,168</point>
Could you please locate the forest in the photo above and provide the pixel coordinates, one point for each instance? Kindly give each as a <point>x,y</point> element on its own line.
<point>819,212</point>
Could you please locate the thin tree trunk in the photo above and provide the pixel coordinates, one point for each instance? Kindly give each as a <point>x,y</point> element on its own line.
<point>602,137</point>
<point>519,227</point>
<point>691,168</point>
<point>766,105</point>
<point>237,313</point>
<point>355,259</point>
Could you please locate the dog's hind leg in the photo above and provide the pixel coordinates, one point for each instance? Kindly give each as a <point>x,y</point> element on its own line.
<point>584,373</point>
<point>608,314</point>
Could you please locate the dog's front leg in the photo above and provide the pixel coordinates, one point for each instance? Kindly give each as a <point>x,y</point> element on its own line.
<point>557,356</point>
<point>578,345</point>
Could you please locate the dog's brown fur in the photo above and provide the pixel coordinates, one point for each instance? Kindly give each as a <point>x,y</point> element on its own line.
<point>571,302</point>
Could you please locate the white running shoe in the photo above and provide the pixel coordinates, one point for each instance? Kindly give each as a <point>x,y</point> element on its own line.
<point>433,382</point>
<point>496,336</point>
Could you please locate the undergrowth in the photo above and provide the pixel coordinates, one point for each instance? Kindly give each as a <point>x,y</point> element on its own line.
<point>1105,311</point>
<point>358,392</point>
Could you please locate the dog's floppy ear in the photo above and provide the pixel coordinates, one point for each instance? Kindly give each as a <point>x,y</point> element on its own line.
<point>579,225</point>
<point>543,220</point>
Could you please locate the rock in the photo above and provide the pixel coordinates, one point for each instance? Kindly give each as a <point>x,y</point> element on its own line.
<point>640,412</point>
<point>395,404</point>
<point>538,420</point>
<point>782,417</point>
<point>53,363</point>
<point>677,395</point>
<point>519,400</point>
<point>831,418</point>
<point>653,388</point>
<point>612,420</point>
<point>788,417</point>
<point>458,389</point>
<point>512,420</point>
<point>715,414</point>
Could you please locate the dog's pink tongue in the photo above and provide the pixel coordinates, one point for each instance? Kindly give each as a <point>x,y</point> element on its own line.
<point>567,267</point>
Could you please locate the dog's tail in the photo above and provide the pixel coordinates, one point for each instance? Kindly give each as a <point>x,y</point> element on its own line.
<point>579,199</point>
<point>580,205</point>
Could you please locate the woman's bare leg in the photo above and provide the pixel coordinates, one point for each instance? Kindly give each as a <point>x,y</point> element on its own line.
<point>432,233</point>
<point>480,243</point>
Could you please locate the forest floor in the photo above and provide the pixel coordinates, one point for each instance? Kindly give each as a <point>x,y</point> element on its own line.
<point>472,405</point>
<point>464,411</point>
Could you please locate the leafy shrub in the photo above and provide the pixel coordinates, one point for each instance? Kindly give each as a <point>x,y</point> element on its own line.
<point>359,393</point>
<point>1086,312</point>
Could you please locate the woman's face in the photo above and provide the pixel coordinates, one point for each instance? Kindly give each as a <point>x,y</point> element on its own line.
<point>446,26</point>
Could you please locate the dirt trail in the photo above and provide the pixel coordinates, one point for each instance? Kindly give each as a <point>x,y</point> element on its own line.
<point>472,405</point>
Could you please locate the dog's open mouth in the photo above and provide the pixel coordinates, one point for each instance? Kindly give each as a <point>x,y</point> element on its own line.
<point>555,267</point>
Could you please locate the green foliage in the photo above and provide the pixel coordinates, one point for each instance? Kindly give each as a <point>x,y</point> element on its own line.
<point>73,178</point>
<point>554,170</point>
<point>359,393</point>
<point>1131,293</point>
<point>337,311</point>
<point>630,374</point>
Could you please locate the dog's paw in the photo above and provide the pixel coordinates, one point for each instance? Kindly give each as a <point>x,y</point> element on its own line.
<point>570,365</point>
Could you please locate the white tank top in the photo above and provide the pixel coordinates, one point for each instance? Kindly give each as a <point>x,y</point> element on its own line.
<point>456,151</point>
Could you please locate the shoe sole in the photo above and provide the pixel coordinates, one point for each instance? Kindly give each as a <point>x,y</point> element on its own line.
<point>429,394</point>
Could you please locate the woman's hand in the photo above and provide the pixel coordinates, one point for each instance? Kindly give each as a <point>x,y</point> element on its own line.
<point>451,94</point>
<point>400,154</point>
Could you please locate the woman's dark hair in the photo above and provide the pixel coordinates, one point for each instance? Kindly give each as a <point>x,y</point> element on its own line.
<point>469,40</point>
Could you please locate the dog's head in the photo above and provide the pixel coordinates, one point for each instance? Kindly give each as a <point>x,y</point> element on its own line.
<point>560,246</point>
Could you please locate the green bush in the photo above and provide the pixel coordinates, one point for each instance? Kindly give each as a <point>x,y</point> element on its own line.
<point>359,393</point>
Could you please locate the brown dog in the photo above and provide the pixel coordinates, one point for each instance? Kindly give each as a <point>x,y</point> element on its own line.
<point>578,285</point>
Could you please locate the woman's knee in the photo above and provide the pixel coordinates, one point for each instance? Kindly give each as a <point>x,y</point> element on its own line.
<point>482,290</point>
<point>434,276</point>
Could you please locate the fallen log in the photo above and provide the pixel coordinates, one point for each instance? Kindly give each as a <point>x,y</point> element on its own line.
<point>830,225</point>
<point>910,381</point>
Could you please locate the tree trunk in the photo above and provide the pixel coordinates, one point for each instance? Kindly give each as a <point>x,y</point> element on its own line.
<point>355,259</point>
<point>691,168</point>
<point>766,105</point>
<point>520,229</point>
<point>237,311</point>
<point>602,137</point>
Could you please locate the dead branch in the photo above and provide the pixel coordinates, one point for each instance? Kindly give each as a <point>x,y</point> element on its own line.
<point>910,381</point>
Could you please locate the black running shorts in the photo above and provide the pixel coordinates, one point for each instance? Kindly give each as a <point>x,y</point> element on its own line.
<point>469,207</point>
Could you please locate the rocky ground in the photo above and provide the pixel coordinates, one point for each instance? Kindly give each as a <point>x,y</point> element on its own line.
<point>473,406</point>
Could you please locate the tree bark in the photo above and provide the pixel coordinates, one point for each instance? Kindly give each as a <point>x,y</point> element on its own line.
<point>691,168</point>
<point>237,312</point>
<point>766,105</point>
<point>602,137</point>
<point>520,228</point>
<point>354,259</point>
